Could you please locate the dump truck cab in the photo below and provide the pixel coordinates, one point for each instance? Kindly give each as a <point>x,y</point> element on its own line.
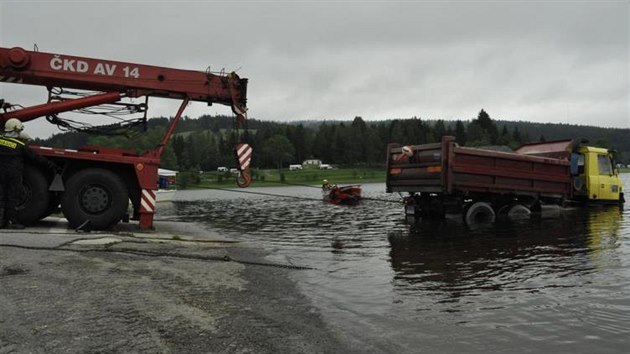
<point>592,169</point>
<point>595,177</point>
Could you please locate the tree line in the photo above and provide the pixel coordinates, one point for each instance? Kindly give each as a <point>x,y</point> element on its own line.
<point>207,142</point>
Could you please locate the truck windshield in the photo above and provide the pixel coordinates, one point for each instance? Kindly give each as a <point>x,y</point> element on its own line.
<point>603,162</point>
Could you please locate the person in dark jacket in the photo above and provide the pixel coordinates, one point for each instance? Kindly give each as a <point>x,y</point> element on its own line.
<point>13,153</point>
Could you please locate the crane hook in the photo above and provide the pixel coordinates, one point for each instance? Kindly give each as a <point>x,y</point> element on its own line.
<point>243,154</point>
<point>244,179</point>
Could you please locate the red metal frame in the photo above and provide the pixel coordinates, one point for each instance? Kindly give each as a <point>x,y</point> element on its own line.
<point>45,109</point>
<point>116,80</point>
<point>47,69</point>
<point>170,129</point>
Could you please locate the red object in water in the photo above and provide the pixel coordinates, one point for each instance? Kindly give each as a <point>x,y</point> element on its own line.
<point>343,195</point>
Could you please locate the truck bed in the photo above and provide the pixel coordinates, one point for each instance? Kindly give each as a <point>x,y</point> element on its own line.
<point>447,168</point>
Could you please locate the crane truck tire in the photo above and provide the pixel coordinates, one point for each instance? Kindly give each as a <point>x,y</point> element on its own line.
<point>35,197</point>
<point>96,195</point>
<point>479,213</point>
<point>53,204</point>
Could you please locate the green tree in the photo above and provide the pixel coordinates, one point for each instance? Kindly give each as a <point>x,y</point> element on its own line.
<point>178,149</point>
<point>460,133</point>
<point>188,177</point>
<point>300,139</point>
<point>516,136</point>
<point>489,128</point>
<point>357,142</point>
<point>439,130</point>
<point>322,148</point>
<point>505,137</point>
<point>168,160</point>
<point>278,148</point>
<point>477,135</point>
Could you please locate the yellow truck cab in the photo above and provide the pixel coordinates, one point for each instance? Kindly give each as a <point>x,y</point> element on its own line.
<point>595,177</point>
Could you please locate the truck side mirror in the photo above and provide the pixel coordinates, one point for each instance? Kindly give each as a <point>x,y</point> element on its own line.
<point>611,156</point>
<point>574,164</point>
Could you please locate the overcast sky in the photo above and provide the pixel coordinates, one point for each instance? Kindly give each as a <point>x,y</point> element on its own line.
<point>542,61</point>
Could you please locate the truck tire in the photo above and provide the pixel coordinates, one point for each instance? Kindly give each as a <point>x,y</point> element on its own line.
<point>53,204</point>
<point>519,212</point>
<point>35,197</point>
<point>96,195</point>
<point>479,213</point>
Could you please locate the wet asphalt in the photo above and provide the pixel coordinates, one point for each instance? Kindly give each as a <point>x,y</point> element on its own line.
<point>175,290</point>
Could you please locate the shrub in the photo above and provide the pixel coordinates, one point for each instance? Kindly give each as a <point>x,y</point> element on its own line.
<point>188,178</point>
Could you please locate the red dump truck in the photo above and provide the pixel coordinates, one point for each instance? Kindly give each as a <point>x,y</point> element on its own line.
<point>445,178</point>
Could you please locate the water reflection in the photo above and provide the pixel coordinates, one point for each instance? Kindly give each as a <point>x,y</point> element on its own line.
<point>520,256</point>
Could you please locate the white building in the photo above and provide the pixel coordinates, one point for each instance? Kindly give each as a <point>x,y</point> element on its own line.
<point>312,163</point>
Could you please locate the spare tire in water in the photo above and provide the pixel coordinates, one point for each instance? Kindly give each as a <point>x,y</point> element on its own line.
<point>35,196</point>
<point>479,213</point>
<point>96,195</point>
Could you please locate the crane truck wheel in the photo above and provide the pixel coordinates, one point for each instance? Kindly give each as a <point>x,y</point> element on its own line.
<point>479,213</point>
<point>35,196</point>
<point>53,204</point>
<point>96,195</point>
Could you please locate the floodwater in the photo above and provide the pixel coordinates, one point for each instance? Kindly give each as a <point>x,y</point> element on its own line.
<point>560,283</point>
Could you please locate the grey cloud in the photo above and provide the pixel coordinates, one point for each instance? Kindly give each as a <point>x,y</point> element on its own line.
<point>554,61</point>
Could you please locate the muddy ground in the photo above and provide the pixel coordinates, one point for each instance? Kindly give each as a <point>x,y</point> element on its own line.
<point>161,292</point>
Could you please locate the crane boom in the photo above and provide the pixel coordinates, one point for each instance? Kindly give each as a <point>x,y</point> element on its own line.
<point>132,80</point>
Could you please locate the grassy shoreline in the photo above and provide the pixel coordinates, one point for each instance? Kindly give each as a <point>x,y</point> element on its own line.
<point>308,177</point>
<point>284,177</point>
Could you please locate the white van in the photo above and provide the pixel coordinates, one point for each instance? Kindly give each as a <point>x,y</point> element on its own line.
<point>325,166</point>
<point>295,167</point>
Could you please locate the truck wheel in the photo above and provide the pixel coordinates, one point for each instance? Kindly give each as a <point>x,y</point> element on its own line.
<point>536,206</point>
<point>518,212</point>
<point>53,204</point>
<point>479,213</point>
<point>97,195</point>
<point>502,212</point>
<point>35,197</point>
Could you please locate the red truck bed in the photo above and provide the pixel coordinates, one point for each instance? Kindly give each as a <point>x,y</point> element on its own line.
<point>447,168</point>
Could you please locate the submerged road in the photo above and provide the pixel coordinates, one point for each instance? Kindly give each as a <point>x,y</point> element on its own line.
<point>179,290</point>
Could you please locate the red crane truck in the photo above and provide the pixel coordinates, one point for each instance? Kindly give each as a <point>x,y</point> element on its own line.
<point>99,182</point>
<point>481,184</point>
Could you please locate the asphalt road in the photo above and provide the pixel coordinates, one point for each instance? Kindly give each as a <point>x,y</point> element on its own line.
<point>177,290</point>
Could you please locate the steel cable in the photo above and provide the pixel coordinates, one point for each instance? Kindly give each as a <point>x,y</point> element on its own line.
<point>112,249</point>
<point>292,196</point>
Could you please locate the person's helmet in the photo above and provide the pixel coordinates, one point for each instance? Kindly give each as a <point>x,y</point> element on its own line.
<point>13,125</point>
<point>325,181</point>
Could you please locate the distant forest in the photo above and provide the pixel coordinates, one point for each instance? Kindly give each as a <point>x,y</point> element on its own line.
<point>207,142</point>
